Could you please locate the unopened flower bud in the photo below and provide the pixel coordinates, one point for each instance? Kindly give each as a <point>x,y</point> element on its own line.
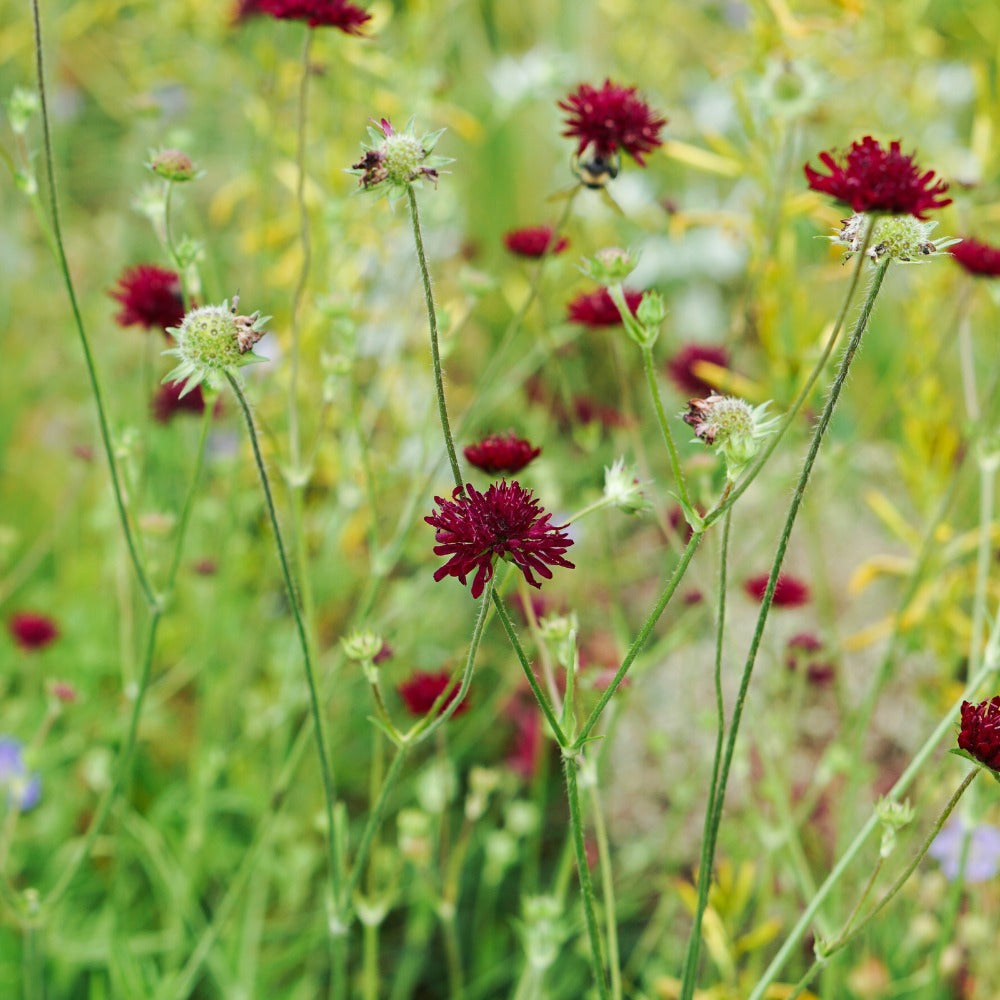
<point>623,488</point>
<point>610,266</point>
<point>651,312</point>
<point>21,106</point>
<point>361,645</point>
<point>902,238</point>
<point>173,165</point>
<point>893,816</point>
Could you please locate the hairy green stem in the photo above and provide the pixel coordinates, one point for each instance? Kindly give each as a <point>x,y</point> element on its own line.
<point>690,974</point>
<point>990,666</point>
<point>338,901</point>
<point>717,805</point>
<point>661,416</point>
<point>570,766</point>
<point>640,640</point>
<point>849,934</point>
<point>95,387</point>
<point>449,439</point>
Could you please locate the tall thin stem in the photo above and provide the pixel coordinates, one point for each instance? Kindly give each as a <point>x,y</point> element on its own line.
<point>95,387</point>
<point>583,871</point>
<point>449,439</point>
<point>779,556</point>
<point>707,841</point>
<point>661,417</point>
<point>326,772</point>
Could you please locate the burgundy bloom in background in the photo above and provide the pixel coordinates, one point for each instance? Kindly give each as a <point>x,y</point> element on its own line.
<point>587,410</point>
<point>789,592</point>
<point>804,649</point>
<point>32,631</point>
<point>977,257</point>
<point>150,296</point>
<point>506,521</point>
<point>501,453</point>
<point>980,732</point>
<point>524,755</point>
<point>596,309</point>
<point>534,241</point>
<point>873,179</point>
<point>423,689</point>
<point>316,13</point>
<point>611,118</point>
<point>680,368</point>
<point>167,401</point>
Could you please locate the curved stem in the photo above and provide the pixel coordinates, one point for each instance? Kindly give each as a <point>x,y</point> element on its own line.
<point>849,934</point>
<point>543,702</point>
<point>806,389</point>
<point>779,556</point>
<point>102,420</point>
<point>293,601</point>
<point>449,439</point>
<point>690,975</point>
<point>583,871</point>
<point>654,392</point>
<point>123,767</point>
<point>640,640</point>
<point>300,287</point>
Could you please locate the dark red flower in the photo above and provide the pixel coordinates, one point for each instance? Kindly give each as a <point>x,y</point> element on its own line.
<point>506,521</point>
<point>423,689</point>
<point>32,631</point>
<point>316,13</point>
<point>980,732</point>
<point>525,753</point>
<point>534,241</point>
<point>587,410</point>
<point>596,308</point>
<point>612,118</point>
<point>802,649</point>
<point>681,368</point>
<point>150,296</point>
<point>873,179</point>
<point>789,592</point>
<point>501,453</point>
<point>977,257</point>
<point>167,401</point>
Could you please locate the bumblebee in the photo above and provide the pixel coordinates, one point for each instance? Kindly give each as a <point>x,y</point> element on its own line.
<point>595,170</point>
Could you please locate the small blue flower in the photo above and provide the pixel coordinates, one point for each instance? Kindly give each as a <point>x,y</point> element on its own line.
<point>24,790</point>
<point>983,860</point>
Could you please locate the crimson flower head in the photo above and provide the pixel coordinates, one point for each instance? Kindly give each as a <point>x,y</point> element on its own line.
<point>501,453</point>
<point>977,257</point>
<point>789,591</point>
<point>873,179</point>
<point>423,689</point>
<point>32,631</point>
<point>606,120</point>
<point>506,522</point>
<point>681,368</point>
<point>150,296</point>
<point>316,13</point>
<point>596,309</point>
<point>534,241</point>
<point>980,732</point>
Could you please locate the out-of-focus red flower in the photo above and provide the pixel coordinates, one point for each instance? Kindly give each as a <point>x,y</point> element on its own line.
<point>524,755</point>
<point>681,368</point>
<point>977,257</point>
<point>874,179</point>
<point>499,453</point>
<point>804,649</point>
<point>150,296</point>
<point>789,591</point>
<point>596,309</point>
<point>341,14</point>
<point>534,241</point>
<point>423,689</point>
<point>32,631</point>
